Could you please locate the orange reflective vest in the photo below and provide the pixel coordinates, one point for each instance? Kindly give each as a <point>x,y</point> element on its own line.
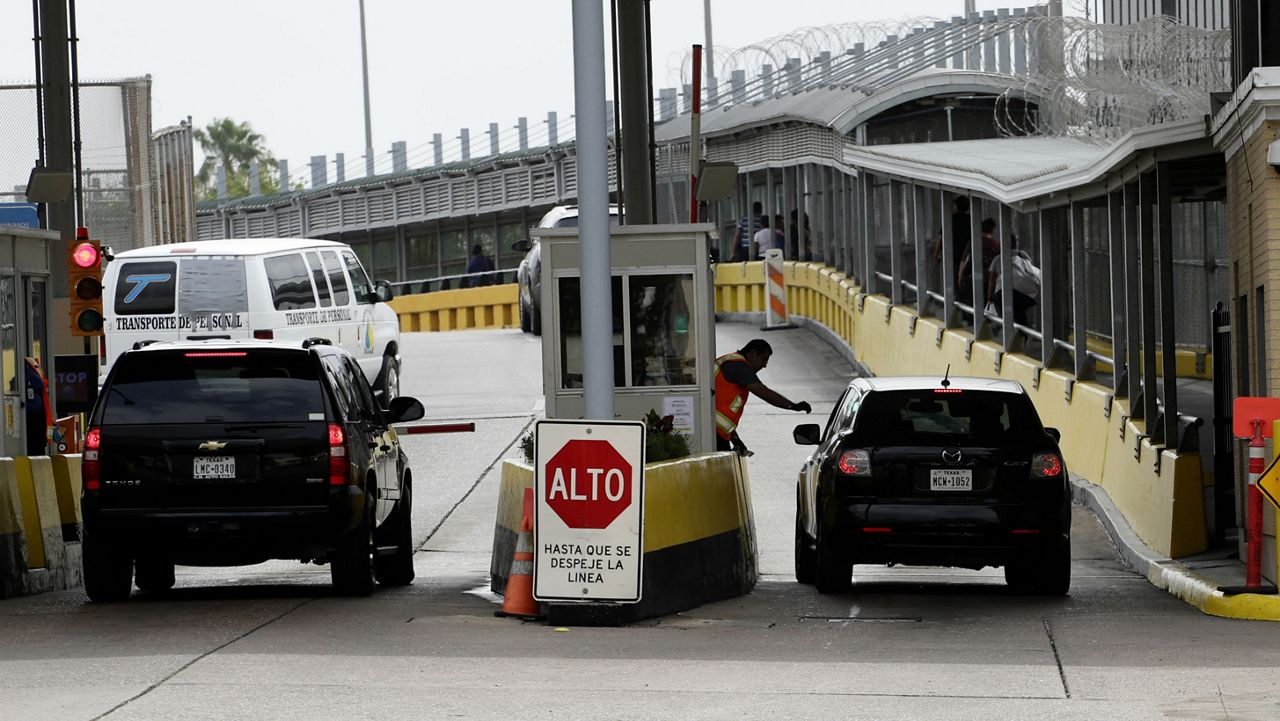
<point>731,398</point>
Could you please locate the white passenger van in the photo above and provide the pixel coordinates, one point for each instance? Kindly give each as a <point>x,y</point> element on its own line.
<point>253,288</point>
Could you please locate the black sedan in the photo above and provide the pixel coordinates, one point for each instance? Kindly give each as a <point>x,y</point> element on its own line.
<point>932,471</point>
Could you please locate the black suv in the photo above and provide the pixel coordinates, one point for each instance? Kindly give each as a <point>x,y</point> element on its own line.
<point>233,453</point>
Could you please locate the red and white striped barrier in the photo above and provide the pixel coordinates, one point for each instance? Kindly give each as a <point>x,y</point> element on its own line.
<point>775,282</point>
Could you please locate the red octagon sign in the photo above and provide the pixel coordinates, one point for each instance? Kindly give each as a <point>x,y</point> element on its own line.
<point>588,484</point>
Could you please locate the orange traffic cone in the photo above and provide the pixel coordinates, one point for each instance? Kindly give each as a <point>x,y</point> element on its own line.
<point>518,601</point>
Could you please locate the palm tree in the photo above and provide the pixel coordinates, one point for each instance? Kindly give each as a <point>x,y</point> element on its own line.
<point>224,141</point>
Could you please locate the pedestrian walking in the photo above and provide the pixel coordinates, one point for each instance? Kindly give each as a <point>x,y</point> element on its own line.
<point>748,226</point>
<point>480,267</point>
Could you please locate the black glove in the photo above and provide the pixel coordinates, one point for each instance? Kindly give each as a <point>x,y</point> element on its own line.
<point>802,406</point>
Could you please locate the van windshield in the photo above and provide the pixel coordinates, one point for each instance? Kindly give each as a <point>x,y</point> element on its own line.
<point>253,386</point>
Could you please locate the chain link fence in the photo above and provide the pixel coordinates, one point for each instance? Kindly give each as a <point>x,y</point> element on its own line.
<point>116,167</point>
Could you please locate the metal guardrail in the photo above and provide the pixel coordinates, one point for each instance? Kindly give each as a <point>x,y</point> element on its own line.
<point>452,282</point>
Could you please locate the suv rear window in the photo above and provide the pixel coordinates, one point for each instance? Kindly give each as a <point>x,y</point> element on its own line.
<point>214,386</point>
<point>951,414</point>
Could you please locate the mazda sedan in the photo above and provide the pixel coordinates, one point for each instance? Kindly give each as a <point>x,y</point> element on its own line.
<point>938,472</point>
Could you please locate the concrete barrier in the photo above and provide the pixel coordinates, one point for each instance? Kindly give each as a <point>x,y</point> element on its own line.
<point>34,557</point>
<point>699,539</point>
<point>1159,491</point>
<point>492,306</point>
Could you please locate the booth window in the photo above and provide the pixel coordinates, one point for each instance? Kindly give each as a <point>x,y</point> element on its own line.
<point>571,334</point>
<point>653,331</point>
<point>661,329</point>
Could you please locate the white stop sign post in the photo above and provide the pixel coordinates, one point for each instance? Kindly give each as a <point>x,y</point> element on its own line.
<point>588,526</point>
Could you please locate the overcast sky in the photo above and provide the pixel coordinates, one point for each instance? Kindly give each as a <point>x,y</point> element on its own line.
<point>291,68</point>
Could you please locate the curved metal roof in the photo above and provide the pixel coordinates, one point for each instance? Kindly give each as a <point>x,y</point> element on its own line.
<point>844,108</point>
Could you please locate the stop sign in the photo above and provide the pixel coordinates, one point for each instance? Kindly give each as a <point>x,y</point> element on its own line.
<point>588,484</point>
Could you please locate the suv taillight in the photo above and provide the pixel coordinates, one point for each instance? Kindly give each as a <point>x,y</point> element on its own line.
<point>855,463</point>
<point>266,334</point>
<point>90,467</point>
<point>1046,465</point>
<point>339,460</point>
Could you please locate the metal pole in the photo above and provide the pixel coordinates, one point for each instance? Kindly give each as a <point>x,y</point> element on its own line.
<point>637,109</point>
<point>1080,296</point>
<point>948,258</point>
<point>1115,249</point>
<point>709,49</point>
<point>368,122</point>
<point>918,200</point>
<point>695,135</point>
<point>1168,304</point>
<point>593,219</point>
<point>895,243</point>
<point>1004,225</point>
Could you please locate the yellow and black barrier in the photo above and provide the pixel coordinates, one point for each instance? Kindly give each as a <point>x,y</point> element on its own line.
<point>491,306</point>
<point>39,524</point>
<point>1158,491</point>
<point>699,539</point>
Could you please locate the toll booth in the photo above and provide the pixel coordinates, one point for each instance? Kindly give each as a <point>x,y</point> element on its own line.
<point>24,328</point>
<point>663,326</point>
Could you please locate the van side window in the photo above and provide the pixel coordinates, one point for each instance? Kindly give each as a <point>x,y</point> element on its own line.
<point>359,280</point>
<point>318,276</point>
<point>290,283</point>
<point>337,279</point>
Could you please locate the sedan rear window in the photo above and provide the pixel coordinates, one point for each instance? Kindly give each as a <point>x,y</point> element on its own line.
<point>215,386</point>
<point>951,413</point>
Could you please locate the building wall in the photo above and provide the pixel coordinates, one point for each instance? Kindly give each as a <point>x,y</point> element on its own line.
<point>1253,227</point>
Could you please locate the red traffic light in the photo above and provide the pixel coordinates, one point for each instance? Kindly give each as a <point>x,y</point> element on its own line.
<point>85,255</point>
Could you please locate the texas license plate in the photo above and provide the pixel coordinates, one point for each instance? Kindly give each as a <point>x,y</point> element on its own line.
<point>214,467</point>
<point>950,479</point>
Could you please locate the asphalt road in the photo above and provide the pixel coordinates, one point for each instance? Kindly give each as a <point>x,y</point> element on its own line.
<point>272,642</point>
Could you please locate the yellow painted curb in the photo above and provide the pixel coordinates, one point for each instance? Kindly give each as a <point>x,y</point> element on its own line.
<point>1203,593</point>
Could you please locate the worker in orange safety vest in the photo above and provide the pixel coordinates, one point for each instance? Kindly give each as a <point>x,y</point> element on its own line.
<point>735,379</point>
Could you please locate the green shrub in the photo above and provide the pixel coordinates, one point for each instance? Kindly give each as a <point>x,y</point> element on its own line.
<point>662,443</point>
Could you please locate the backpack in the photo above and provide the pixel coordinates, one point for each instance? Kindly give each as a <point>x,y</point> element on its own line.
<point>1026,276</point>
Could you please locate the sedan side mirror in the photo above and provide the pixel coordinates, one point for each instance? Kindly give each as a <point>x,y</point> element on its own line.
<point>807,434</point>
<point>404,408</point>
<point>1055,434</point>
<point>521,246</point>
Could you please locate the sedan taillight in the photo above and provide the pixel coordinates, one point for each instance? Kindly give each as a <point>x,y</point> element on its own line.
<point>339,459</point>
<point>855,463</point>
<point>1046,465</point>
<point>90,466</point>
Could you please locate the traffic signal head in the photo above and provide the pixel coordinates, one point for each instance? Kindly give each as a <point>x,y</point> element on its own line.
<point>84,280</point>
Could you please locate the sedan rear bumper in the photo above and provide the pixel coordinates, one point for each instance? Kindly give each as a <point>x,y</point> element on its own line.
<point>963,535</point>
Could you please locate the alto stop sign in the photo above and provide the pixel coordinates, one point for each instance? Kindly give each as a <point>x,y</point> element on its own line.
<point>588,484</point>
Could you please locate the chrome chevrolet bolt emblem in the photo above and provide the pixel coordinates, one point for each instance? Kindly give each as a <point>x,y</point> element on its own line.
<point>212,446</point>
<point>952,456</point>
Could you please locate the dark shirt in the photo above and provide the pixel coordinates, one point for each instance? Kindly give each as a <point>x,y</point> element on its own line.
<point>961,234</point>
<point>739,373</point>
<point>480,264</point>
